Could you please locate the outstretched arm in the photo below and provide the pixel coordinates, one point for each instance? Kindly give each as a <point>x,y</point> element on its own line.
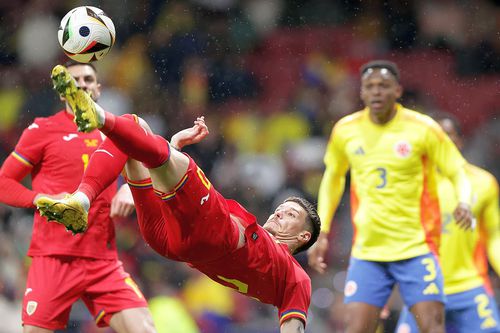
<point>292,325</point>
<point>190,135</point>
<point>330,192</point>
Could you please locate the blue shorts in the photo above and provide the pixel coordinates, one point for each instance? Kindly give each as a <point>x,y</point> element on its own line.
<point>469,311</point>
<point>371,282</point>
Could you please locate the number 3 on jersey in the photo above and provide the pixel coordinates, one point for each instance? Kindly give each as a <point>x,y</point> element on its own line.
<point>382,173</point>
<point>85,160</point>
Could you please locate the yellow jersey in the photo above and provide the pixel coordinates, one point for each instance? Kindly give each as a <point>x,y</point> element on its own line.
<point>394,203</point>
<point>463,253</point>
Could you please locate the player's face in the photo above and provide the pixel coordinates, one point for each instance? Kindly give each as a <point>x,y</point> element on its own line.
<point>449,128</point>
<point>287,222</point>
<point>86,78</point>
<point>379,91</point>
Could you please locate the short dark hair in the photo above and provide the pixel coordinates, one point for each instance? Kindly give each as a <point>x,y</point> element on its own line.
<point>70,63</point>
<point>313,222</point>
<point>379,64</point>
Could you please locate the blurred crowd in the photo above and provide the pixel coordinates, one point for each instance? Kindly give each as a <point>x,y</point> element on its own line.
<point>271,78</point>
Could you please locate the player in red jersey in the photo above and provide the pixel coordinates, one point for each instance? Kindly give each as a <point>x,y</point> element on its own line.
<point>64,267</point>
<point>184,218</point>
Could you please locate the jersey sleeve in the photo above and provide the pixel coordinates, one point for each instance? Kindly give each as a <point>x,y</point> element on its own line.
<point>27,153</point>
<point>296,301</point>
<point>30,148</point>
<point>333,181</point>
<point>12,192</point>
<point>442,151</point>
<point>491,220</point>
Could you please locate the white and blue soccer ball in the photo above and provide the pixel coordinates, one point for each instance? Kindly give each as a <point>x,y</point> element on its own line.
<point>86,34</point>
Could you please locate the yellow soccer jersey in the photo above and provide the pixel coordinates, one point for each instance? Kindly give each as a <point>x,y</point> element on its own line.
<point>463,253</point>
<point>394,202</point>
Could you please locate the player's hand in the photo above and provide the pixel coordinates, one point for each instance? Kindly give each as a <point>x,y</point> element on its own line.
<point>316,254</point>
<point>191,135</point>
<point>52,196</point>
<point>463,216</point>
<point>122,204</point>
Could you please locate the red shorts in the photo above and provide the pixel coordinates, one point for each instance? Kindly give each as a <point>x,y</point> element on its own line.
<point>191,223</point>
<point>55,283</point>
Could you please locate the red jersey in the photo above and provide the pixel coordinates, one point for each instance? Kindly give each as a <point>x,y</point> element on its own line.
<point>58,155</point>
<point>194,223</point>
<point>263,269</point>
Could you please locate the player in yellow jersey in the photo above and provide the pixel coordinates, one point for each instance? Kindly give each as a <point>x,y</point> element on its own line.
<point>392,153</point>
<point>464,255</point>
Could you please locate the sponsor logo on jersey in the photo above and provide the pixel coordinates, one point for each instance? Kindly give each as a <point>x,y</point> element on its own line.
<point>350,288</point>
<point>402,149</point>
<point>31,307</point>
<point>70,136</point>
<point>204,199</point>
<point>28,290</point>
<point>431,289</point>
<point>32,126</point>
<point>359,151</point>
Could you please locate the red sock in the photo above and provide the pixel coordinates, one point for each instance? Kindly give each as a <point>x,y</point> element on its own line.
<point>125,132</point>
<point>105,165</point>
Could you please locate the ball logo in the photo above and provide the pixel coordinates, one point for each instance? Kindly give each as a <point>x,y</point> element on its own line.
<point>31,307</point>
<point>402,149</point>
<point>350,288</point>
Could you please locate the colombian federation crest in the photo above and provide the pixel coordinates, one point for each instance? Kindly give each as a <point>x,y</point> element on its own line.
<point>402,149</point>
<point>350,288</point>
<point>31,307</point>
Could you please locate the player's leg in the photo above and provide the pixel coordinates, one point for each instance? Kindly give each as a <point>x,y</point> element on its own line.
<point>114,299</point>
<point>133,139</point>
<point>473,310</point>
<point>421,287</point>
<point>52,286</point>
<point>72,210</point>
<point>368,287</point>
<point>148,206</point>
<point>429,316</point>
<point>133,320</point>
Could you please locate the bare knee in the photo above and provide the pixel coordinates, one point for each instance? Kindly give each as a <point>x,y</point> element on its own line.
<point>429,317</point>
<point>361,318</point>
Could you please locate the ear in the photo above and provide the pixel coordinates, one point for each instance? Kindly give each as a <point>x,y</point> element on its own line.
<point>305,236</point>
<point>399,91</point>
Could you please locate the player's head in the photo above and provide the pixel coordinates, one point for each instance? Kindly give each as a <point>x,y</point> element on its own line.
<point>85,76</point>
<point>296,223</point>
<point>450,124</point>
<point>380,87</point>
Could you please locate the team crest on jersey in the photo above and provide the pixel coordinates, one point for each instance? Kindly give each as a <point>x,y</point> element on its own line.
<point>31,307</point>
<point>402,149</point>
<point>350,288</point>
<point>91,142</point>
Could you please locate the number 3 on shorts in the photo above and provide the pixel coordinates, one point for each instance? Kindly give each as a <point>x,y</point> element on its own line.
<point>430,266</point>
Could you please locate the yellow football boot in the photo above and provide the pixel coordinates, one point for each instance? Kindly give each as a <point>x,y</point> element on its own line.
<point>81,103</point>
<point>66,211</point>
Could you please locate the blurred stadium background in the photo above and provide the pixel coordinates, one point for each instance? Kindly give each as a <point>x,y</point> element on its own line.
<point>271,77</point>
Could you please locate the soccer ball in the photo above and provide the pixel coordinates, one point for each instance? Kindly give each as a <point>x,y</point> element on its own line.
<point>86,34</point>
